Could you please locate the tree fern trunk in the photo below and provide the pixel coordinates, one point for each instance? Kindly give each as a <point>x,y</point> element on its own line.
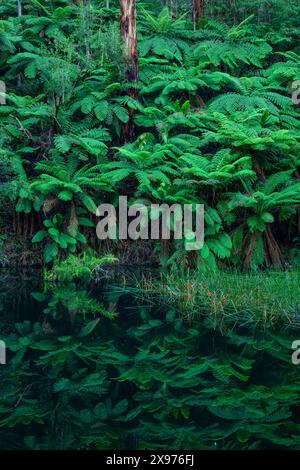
<point>198,11</point>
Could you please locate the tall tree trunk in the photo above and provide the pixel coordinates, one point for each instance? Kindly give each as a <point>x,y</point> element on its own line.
<point>198,11</point>
<point>19,7</point>
<point>129,39</point>
<point>87,27</point>
<point>20,13</point>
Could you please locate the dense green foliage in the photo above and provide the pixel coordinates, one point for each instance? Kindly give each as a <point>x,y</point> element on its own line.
<point>80,377</point>
<point>188,359</point>
<point>215,122</point>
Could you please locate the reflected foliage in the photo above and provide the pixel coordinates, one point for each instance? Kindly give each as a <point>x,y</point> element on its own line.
<point>103,367</point>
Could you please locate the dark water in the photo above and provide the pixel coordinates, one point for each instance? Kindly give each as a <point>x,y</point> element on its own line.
<point>102,367</point>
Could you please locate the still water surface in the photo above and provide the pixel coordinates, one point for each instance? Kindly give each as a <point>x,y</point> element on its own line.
<point>100,366</point>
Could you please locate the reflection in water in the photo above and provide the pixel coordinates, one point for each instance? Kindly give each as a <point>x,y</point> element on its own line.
<point>101,367</point>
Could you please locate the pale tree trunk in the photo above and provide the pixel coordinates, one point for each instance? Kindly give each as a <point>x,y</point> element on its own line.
<point>129,38</point>
<point>130,51</point>
<point>19,7</point>
<point>87,26</point>
<point>19,15</point>
<point>198,11</point>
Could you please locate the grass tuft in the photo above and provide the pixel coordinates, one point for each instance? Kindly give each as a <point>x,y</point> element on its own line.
<point>268,297</point>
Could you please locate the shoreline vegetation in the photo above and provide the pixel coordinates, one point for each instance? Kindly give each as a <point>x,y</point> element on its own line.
<point>266,298</point>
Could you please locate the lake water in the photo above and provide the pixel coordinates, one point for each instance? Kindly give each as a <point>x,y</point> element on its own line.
<point>100,366</point>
